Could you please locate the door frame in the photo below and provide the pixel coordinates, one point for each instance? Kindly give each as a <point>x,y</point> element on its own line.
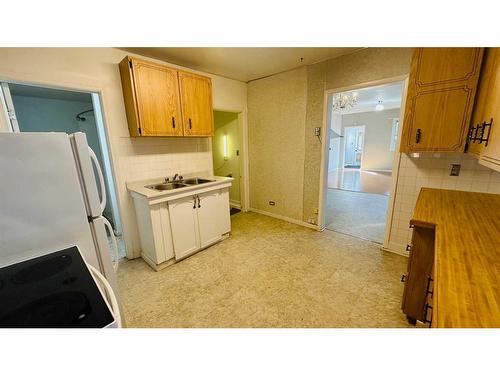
<point>363,149</point>
<point>102,129</point>
<point>244,171</point>
<point>323,181</point>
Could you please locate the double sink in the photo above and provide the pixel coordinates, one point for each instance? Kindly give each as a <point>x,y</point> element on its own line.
<point>179,184</point>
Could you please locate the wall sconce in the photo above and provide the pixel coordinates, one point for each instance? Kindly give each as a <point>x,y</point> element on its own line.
<point>224,139</point>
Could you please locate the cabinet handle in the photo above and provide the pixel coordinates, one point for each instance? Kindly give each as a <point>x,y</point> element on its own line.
<point>199,205</point>
<point>418,135</point>
<point>190,123</point>
<point>194,202</point>
<point>173,122</point>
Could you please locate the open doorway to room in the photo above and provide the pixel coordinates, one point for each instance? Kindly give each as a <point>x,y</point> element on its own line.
<point>363,128</point>
<point>43,109</point>
<point>226,153</point>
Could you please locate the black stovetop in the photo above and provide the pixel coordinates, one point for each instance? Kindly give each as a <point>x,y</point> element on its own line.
<point>51,291</point>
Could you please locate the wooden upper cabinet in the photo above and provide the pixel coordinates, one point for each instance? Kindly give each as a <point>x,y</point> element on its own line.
<point>196,98</point>
<point>441,91</point>
<point>156,103</point>
<point>487,110</point>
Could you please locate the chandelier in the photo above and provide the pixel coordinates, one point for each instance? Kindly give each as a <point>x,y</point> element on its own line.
<point>343,102</point>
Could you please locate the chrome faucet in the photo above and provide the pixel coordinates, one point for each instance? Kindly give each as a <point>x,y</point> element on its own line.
<point>177,177</point>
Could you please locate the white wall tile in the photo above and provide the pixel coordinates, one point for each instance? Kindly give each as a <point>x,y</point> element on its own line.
<point>433,171</point>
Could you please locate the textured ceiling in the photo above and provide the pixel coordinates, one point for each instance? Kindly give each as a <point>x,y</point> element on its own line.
<point>243,64</point>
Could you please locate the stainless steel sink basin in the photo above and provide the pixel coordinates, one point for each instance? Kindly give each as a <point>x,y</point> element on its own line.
<point>167,186</point>
<point>196,181</point>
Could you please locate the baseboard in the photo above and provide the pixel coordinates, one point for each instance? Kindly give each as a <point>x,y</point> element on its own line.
<point>235,204</point>
<point>285,218</point>
<point>394,251</point>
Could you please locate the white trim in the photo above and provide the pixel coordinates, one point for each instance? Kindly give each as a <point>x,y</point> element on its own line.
<point>285,218</point>
<point>244,170</point>
<point>323,183</point>
<point>395,171</point>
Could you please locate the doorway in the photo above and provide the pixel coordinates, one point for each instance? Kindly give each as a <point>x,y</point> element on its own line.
<point>363,128</point>
<point>353,149</point>
<point>42,109</point>
<point>227,154</point>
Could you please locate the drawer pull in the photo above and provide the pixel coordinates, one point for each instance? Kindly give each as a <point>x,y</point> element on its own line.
<point>194,202</point>
<point>190,126</point>
<point>418,135</point>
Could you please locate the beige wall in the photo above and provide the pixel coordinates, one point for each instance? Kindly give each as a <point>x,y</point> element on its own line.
<point>227,123</point>
<point>276,118</point>
<point>378,131</point>
<point>367,65</point>
<point>96,69</point>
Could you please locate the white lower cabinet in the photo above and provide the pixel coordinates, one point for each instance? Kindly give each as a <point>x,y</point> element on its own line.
<point>208,225</point>
<point>184,225</point>
<point>198,221</point>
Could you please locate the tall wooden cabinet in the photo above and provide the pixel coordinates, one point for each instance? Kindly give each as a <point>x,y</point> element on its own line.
<point>162,101</point>
<point>441,91</point>
<point>486,116</point>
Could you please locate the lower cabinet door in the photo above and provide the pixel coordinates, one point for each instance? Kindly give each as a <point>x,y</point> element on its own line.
<point>224,211</point>
<point>209,225</point>
<point>184,225</point>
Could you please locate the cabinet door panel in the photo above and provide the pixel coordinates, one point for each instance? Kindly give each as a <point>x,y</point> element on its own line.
<point>490,155</point>
<point>224,211</point>
<point>196,98</point>
<point>209,224</point>
<point>441,91</point>
<point>184,226</point>
<point>157,92</point>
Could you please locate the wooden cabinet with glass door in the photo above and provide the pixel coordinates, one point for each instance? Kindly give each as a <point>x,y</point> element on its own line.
<point>441,91</point>
<point>486,117</point>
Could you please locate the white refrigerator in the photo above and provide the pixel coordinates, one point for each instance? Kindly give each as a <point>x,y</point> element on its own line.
<point>49,200</point>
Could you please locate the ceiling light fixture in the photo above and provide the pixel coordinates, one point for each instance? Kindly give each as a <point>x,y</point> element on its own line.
<point>342,102</point>
<point>379,106</point>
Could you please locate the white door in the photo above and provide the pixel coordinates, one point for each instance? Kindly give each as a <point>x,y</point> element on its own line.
<point>184,225</point>
<point>209,224</point>
<point>354,144</point>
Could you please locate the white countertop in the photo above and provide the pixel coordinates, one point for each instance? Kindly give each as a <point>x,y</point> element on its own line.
<point>139,186</point>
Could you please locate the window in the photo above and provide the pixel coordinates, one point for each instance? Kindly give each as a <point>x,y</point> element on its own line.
<point>394,134</point>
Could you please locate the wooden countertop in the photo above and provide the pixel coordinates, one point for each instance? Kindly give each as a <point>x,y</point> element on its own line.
<point>467,256</point>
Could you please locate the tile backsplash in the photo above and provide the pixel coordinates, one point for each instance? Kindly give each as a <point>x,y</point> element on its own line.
<point>433,170</point>
<point>149,158</point>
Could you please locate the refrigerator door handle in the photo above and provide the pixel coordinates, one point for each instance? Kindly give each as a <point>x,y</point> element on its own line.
<point>107,224</point>
<point>93,157</point>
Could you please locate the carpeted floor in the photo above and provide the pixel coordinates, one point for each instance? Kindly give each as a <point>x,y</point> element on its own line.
<point>269,273</point>
<point>358,214</point>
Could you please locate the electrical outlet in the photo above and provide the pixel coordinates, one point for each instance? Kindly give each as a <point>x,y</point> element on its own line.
<point>455,170</point>
<point>272,203</point>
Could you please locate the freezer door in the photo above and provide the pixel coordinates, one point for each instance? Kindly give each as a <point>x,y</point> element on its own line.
<point>41,202</point>
<point>85,160</point>
<point>107,252</point>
